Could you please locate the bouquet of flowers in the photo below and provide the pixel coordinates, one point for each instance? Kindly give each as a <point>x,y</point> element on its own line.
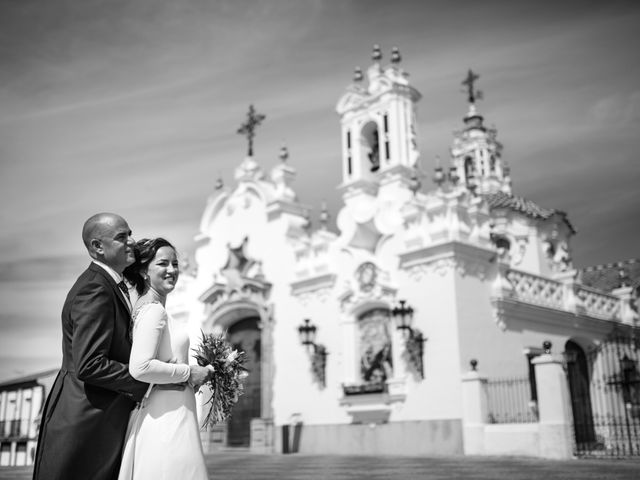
<point>226,380</point>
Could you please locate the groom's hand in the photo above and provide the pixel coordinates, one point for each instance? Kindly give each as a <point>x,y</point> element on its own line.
<point>198,375</point>
<point>171,386</point>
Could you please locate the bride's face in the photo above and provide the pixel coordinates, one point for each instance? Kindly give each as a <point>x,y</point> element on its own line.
<point>163,270</point>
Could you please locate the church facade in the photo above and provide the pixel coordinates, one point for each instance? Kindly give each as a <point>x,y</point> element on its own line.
<point>392,335</point>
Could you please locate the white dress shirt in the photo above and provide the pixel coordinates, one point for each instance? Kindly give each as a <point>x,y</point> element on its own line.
<point>116,277</point>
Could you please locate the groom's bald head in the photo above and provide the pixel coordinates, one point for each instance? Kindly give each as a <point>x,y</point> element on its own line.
<point>98,225</point>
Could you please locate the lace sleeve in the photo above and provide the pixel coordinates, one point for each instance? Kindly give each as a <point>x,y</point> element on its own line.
<point>150,324</point>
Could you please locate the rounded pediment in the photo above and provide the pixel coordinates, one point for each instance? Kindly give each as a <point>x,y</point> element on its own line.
<point>351,100</point>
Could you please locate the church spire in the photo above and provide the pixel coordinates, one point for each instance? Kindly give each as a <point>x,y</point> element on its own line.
<point>469,82</point>
<point>476,153</point>
<point>249,128</point>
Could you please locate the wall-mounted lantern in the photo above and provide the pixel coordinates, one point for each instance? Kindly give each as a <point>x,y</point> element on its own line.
<point>318,353</point>
<point>628,380</point>
<point>414,341</point>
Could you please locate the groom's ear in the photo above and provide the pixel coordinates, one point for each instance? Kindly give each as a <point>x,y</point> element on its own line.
<point>96,245</point>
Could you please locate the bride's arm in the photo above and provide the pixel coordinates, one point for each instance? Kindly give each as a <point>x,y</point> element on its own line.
<point>144,364</point>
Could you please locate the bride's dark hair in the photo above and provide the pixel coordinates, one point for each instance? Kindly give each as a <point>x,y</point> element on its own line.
<point>145,250</point>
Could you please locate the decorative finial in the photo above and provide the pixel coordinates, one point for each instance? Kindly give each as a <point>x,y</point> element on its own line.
<point>395,55</point>
<point>324,216</point>
<point>219,183</point>
<point>307,221</point>
<point>357,74</point>
<point>474,364</point>
<point>414,182</point>
<point>623,276</point>
<point>249,127</point>
<point>284,153</point>
<point>454,178</point>
<point>377,53</point>
<point>472,92</point>
<point>438,175</point>
<point>546,346</point>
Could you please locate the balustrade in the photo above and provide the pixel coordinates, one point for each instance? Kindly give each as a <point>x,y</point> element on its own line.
<point>537,290</point>
<point>563,295</point>
<point>598,304</point>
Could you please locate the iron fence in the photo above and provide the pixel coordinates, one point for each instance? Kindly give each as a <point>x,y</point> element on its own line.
<point>607,418</point>
<point>510,401</point>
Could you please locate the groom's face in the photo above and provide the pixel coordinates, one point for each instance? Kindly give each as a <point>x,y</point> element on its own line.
<point>117,245</point>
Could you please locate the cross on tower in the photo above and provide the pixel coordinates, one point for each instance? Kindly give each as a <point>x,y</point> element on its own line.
<point>249,127</point>
<point>468,82</point>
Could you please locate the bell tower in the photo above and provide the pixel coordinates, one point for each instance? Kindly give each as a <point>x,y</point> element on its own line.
<point>476,153</point>
<point>378,125</point>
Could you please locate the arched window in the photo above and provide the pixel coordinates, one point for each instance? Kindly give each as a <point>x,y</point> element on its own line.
<point>371,145</point>
<point>468,167</point>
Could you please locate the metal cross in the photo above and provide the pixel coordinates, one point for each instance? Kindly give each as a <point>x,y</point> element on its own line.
<point>249,127</point>
<point>468,82</point>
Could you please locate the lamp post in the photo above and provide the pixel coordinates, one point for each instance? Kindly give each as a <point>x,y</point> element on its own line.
<point>307,332</point>
<point>403,315</point>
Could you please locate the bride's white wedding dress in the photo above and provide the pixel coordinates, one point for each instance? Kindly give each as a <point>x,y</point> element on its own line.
<point>163,440</point>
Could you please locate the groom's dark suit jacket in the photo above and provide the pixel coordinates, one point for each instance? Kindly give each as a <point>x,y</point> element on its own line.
<point>86,414</point>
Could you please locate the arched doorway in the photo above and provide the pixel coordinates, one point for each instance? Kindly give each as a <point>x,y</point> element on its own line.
<point>245,336</point>
<point>578,373</point>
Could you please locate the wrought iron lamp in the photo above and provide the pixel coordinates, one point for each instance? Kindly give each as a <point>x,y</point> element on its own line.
<point>318,353</point>
<point>628,367</point>
<point>414,341</point>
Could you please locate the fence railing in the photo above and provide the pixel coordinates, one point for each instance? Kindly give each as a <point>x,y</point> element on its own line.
<point>509,401</point>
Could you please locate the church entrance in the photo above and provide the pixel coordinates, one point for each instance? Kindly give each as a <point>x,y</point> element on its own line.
<point>245,336</point>
<point>578,374</point>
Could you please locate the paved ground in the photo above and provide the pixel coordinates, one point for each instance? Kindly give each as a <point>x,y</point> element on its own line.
<point>246,466</point>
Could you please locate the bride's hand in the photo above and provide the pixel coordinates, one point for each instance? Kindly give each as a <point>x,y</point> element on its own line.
<point>198,375</point>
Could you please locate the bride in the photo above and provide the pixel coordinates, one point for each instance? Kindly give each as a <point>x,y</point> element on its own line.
<point>163,440</point>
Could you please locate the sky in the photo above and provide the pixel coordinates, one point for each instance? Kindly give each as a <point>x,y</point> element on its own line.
<point>133,106</point>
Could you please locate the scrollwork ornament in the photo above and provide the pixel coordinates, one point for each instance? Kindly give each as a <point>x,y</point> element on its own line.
<point>474,269</point>
<point>499,317</point>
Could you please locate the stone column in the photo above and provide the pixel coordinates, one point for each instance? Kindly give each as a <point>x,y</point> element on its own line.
<point>554,406</point>
<point>571,301</point>
<point>627,315</point>
<point>474,410</point>
<point>262,438</point>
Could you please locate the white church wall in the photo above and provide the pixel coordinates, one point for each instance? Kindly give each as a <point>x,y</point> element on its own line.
<point>478,329</point>
<point>296,392</point>
<point>430,291</point>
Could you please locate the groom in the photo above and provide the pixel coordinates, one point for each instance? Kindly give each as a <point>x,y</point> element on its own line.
<point>87,411</point>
